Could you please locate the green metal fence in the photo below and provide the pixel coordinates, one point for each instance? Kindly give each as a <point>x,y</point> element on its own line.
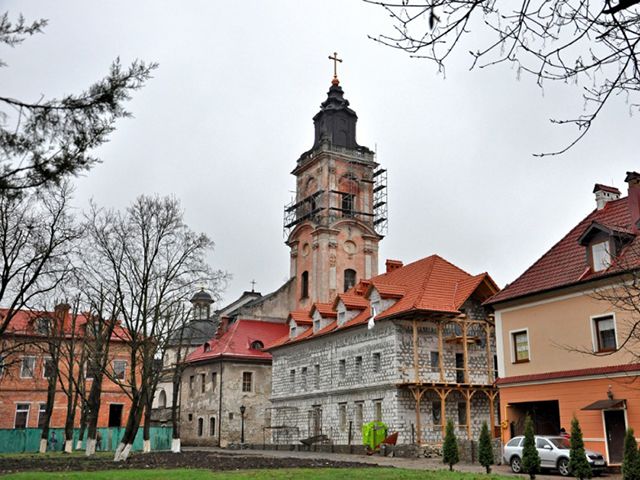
<point>28,439</point>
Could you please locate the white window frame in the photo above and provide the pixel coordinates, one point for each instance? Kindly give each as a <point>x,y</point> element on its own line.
<point>124,373</point>
<point>33,371</point>
<point>603,266</point>
<point>41,411</point>
<point>253,381</point>
<point>512,350</point>
<point>15,417</point>
<point>594,333</point>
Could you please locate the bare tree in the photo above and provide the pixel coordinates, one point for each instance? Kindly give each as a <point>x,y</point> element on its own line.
<point>155,261</point>
<point>37,233</point>
<point>44,141</point>
<point>591,44</point>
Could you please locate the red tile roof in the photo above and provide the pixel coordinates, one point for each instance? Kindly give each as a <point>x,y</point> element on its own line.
<point>565,263</point>
<point>23,323</point>
<point>325,309</point>
<point>236,341</point>
<point>351,301</point>
<point>584,372</point>
<point>428,285</point>
<point>301,317</point>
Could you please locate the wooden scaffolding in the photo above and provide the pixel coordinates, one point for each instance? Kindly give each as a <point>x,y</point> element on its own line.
<point>443,387</point>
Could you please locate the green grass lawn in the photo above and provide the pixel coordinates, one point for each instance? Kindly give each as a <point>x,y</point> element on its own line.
<point>285,474</point>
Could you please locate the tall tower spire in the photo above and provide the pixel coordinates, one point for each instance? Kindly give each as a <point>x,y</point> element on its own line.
<point>338,217</point>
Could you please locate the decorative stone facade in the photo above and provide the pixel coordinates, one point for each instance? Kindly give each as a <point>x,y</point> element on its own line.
<point>361,377</point>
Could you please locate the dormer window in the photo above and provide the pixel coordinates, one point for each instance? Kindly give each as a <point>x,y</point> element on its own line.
<point>207,347</point>
<point>601,257</point>
<point>257,345</point>
<point>316,325</point>
<point>292,330</point>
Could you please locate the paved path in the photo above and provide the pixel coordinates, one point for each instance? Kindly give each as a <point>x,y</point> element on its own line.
<point>411,463</point>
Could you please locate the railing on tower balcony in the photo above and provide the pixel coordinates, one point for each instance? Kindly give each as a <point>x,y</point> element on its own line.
<point>324,207</point>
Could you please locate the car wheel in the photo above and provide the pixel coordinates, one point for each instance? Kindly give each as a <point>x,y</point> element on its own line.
<point>516,464</point>
<point>563,467</point>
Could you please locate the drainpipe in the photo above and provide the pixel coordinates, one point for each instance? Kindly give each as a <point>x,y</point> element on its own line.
<point>220,405</point>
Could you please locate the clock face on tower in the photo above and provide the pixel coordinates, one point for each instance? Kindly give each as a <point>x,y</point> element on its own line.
<point>350,247</point>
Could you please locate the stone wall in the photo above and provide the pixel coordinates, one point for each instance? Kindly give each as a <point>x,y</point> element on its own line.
<point>196,404</point>
<point>297,399</point>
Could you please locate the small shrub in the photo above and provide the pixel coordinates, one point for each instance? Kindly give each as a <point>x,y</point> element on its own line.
<point>631,459</point>
<point>450,454</point>
<point>578,463</point>
<point>485,449</point>
<point>530,457</point>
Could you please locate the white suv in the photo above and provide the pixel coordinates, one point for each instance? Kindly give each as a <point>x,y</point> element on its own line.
<point>554,454</point>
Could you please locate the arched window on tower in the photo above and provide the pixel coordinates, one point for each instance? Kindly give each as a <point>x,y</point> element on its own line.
<point>162,399</point>
<point>349,278</point>
<point>348,202</point>
<point>304,285</point>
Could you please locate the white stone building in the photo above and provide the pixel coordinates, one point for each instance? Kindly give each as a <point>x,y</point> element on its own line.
<point>430,349</point>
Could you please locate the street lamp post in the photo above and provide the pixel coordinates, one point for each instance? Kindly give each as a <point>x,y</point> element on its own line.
<point>242,410</point>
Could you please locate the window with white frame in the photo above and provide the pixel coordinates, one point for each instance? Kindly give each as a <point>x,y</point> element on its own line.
<point>520,342</point>
<point>601,256</point>
<point>28,367</point>
<point>316,324</point>
<point>42,417</point>
<point>604,329</point>
<point>247,381</point>
<point>119,367</point>
<point>22,415</point>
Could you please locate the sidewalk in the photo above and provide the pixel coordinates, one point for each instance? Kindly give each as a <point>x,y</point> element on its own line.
<point>410,463</point>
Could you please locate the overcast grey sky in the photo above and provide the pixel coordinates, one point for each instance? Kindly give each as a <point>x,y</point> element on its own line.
<point>229,112</point>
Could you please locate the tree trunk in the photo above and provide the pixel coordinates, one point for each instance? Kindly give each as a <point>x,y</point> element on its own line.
<point>175,421</point>
<point>83,427</point>
<point>147,426</point>
<point>131,428</point>
<point>51,396</point>
<point>68,424</point>
<point>93,408</point>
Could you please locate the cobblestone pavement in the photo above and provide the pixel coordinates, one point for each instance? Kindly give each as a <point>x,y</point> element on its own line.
<point>412,463</point>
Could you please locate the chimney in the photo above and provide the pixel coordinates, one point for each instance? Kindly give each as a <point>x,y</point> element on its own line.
<point>61,313</point>
<point>633,180</point>
<point>393,265</point>
<point>605,194</point>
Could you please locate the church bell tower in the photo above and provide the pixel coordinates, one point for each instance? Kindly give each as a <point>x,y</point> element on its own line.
<point>339,214</point>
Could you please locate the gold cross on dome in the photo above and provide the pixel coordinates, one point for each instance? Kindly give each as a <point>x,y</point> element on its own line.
<point>335,63</point>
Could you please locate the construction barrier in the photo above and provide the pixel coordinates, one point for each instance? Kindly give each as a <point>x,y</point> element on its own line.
<point>28,439</point>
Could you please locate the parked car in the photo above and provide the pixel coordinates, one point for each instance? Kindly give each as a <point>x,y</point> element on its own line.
<point>554,454</point>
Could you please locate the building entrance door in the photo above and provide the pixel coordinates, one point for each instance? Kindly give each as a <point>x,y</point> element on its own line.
<point>115,415</point>
<point>615,427</point>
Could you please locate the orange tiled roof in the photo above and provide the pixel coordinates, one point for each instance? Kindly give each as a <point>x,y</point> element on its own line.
<point>565,263</point>
<point>430,284</point>
<point>301,317</point>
